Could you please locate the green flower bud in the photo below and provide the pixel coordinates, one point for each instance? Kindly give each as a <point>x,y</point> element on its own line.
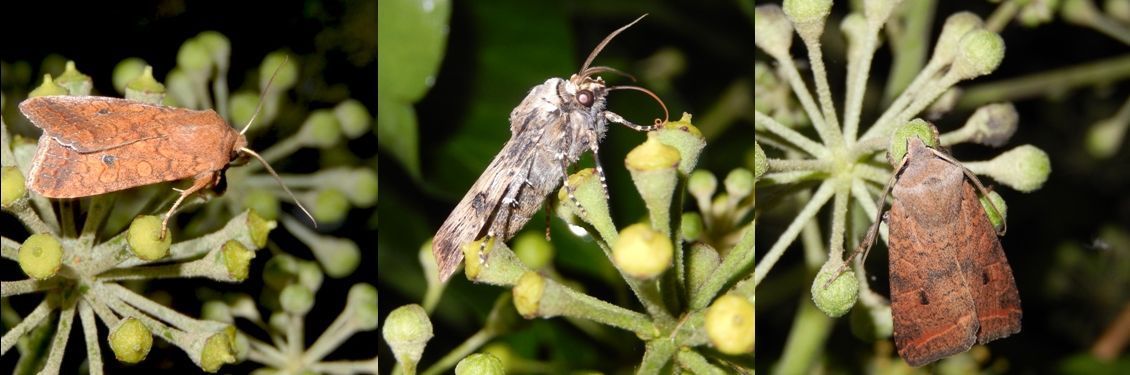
<point>1105,138</point>
<point>309,275</point>
<point>691,226</point>
<point>480,364</point>
<point>702,262</point>
<point>130,341</point>
<point>339,256</point>
<point>76,83</point>
<point>263,203</point>
<point>957,25</point>
<point>589,192</point>
<point>126,71</point>
<point>145,240</point>
<point>838,298</point>
<point>1001,208</point>
<point>217,352</point>
<point>684,137</point>
<point>258,229</point>
<point>145,88</point>
<point>641,252</point>
<point>280,271</point>
<point>242,106</point>
<point>296,299</point>
<point>47,88</point>
<point>652,166</point>
<point>990,125</point>
<point>730,324</point>
<point>980,53</point>
<point>528,293</point>
<point>40,256</point>
<point>287,74</point>
<point>237,259</point>
<point>362,304</point>
<point>330,206</point>
<point>1118,9</point>
<point>739,183</point>
<point>14,186</point>
<point>772,30</point>
<point>353,117</point>
<point>1036,13</point>
<point>534,250</point>
<point>808,16</point>
<point>321,129</point>
<point>915,128</point>
<point>193,58</point>
<point>217,45</point>
<point>362,190</point>
<point>1024,168</point>
<point>503,352</point>
<point>180,89</point>
<point>702,185</point>
<point>407,331</point>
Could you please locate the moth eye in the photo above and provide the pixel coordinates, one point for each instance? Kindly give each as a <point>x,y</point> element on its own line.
<point>585,98</point>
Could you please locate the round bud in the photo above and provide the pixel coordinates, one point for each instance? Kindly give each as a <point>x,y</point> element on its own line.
<point>406,331</point>
<point>980,53</point>
<point>772,30</point>
<point>998,215</point>
<point>145,239</point>
<point>321,129</point>
<point>839,296</point>
<point>527,294</point>
<point>641,252</point>
<point>40,256</point>
<point>1024,168</point>
<point>14,186</point>
<point>296,299</point>
<point>957,25</point>
<point>330,206</point>
<point>534,250</point>
<point>126,71</point>
<point>730,324</point>
<point>263,202</point>
<point>130,340</point>
<point>362,303</point>
<point>916,128</point>
<point>480,364</point>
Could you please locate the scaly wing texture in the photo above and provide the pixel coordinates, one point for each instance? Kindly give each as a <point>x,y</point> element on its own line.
<point>993,287</point>
<point>58,171</point>
<point>93,123</point>
<point>931,304</point>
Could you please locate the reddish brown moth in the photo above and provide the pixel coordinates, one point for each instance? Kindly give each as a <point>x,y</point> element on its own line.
<point>94,145</point>
<point>556,122</point>
<point>951,285</point>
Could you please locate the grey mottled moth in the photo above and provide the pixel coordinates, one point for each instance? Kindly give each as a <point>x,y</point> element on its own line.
<point>556,122</point>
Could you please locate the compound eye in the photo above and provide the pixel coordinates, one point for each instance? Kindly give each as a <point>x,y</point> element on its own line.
<point>585,97</point>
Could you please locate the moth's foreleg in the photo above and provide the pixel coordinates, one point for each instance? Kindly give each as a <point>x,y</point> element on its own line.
<point>612,117</point>
<point>199,182</point>
<point>569,189</point>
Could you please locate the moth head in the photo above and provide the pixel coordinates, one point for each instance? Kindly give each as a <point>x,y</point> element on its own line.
<point>587,91</point>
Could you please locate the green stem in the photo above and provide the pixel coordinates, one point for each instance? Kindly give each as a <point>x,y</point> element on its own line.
<point>1055,81</point>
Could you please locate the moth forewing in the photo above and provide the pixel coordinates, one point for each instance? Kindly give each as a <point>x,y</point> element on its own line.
<point>551,128</point>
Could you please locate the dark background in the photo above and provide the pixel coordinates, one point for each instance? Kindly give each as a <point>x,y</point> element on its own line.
<point>335,44</point>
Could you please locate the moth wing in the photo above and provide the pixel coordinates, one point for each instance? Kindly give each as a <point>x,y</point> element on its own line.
<point>469,220</point>
<point>61,172</point>
<point>95,123</point>
<point>993,287</point>
<point>932,308</point>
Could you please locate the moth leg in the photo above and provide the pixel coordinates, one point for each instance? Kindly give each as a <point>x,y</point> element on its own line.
<point>199,182</point>
<point>547,209</point>
<point>569,189</point>
<point>600,171</point>
<point>612,117</point>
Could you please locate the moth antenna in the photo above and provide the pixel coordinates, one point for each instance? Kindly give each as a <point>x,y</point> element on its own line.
<point>604,42</point>
<point>666,115</point>
<point>279,179</point>
<point>262,96</point>
<point>601,69</point>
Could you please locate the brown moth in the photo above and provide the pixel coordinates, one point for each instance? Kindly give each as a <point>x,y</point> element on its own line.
<point>951,285</point>
<point>94,145</point>
<point>557,121</point>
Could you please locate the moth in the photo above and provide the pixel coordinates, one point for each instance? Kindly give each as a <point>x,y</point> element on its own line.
<point>951,285</point>
<point>95,145</point>
<point>551,128</point>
